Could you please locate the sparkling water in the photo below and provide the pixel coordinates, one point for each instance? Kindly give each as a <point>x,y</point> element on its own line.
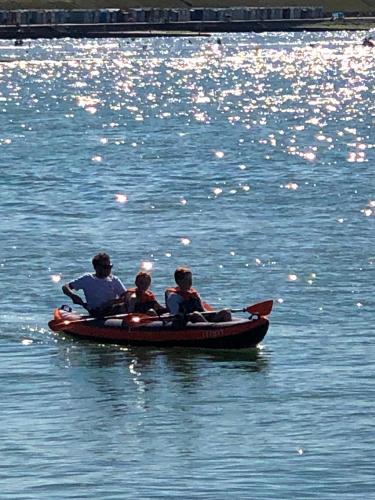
<point>251,161</point>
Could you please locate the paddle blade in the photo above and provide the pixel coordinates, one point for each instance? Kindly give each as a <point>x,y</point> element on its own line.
<point>262,308</point>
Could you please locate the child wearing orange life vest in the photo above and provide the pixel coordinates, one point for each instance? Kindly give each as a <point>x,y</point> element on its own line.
<point>185,300</point>
<point>141,299</point>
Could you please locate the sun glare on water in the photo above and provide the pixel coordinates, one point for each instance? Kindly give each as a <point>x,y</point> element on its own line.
<point>121,198</point>
<point>147,266</point>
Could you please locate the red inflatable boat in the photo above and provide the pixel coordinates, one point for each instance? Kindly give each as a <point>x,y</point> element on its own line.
<point>132,329</point>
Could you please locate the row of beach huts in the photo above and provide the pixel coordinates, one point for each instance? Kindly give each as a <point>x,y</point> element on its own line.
<point>145,15</point>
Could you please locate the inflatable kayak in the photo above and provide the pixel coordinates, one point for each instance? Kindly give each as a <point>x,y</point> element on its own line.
<point>131,329</point>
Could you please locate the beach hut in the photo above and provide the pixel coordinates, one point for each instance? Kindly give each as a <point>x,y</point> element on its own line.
<point>196,14</point>
<point>139,15</point>
<point>183,15</point>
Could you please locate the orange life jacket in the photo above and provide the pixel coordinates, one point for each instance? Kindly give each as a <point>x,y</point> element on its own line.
<point>192,301</point>
<point>144,300</point>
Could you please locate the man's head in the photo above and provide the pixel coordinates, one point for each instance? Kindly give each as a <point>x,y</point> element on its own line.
<point>102,265</point>
<point>183,277</point>
<point>143,281</point>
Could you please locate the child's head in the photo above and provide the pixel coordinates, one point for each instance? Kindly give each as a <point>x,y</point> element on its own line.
<point>143,281</point>
<point>183,277</point>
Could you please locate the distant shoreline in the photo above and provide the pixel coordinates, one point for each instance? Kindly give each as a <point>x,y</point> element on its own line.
<point>190,28</point>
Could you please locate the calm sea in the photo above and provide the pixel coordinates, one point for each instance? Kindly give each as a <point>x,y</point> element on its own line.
<point>252,161</point>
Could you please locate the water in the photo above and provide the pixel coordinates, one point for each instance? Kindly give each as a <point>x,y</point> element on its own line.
<point>252,162</point>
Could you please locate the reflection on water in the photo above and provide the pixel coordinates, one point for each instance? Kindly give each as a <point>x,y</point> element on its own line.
<point>120,386</point>
<point>186,361</point>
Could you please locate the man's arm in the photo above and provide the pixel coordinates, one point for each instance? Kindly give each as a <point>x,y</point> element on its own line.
<point>122,299</point>
<point>67,290</point>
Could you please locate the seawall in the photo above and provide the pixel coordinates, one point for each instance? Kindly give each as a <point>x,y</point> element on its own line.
<point>190,28</point>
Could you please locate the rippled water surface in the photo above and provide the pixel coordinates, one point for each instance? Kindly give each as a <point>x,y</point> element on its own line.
<point>252,162</point>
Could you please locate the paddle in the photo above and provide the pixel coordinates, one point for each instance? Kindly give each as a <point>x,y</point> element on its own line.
<point>261,309</point>
<point>127,317</point>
